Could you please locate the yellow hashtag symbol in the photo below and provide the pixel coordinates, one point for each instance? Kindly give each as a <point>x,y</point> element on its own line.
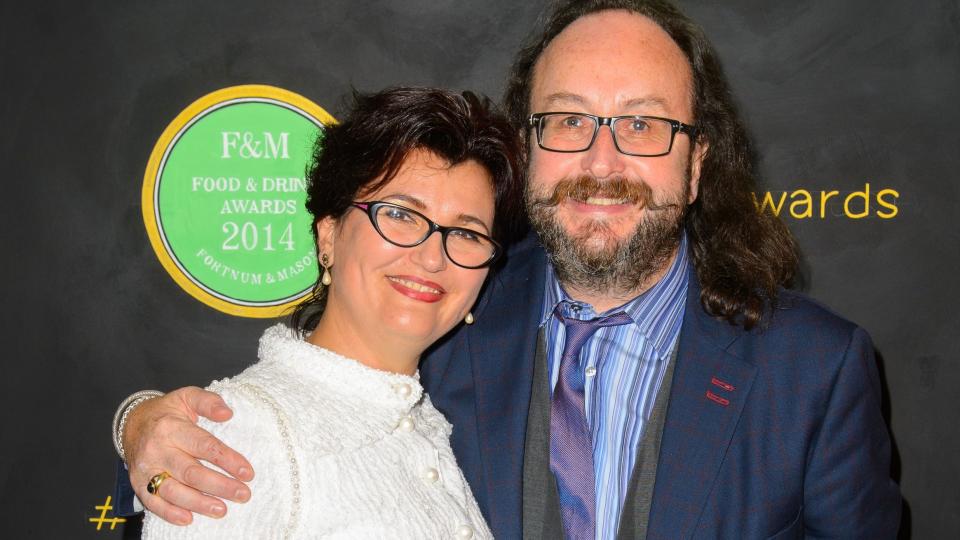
<point>104,508</point>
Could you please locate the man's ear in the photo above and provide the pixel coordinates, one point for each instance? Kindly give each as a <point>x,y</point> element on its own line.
<point>700,150</point>
<point>326,233</point>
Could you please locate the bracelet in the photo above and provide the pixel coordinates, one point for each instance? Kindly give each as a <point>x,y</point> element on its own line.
<point>120,417</point>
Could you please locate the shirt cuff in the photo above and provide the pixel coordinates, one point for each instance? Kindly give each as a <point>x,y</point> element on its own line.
<point>125,502</point>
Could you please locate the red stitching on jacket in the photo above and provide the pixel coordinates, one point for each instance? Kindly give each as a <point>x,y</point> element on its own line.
<point>718,399</point>
<point>725,385</point>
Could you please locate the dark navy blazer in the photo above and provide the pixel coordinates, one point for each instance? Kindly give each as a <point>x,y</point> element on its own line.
<point>769,433</point>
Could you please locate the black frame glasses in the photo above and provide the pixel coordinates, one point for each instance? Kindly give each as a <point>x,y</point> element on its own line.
<point>371,207</point>
<point>536,121</point>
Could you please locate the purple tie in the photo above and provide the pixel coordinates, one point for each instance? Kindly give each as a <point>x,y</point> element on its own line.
<point>571,446</point>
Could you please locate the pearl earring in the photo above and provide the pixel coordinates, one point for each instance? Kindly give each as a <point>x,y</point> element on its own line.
<point>469,318</point>
<point>325,263</point>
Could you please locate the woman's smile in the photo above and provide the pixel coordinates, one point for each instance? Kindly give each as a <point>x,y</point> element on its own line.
<point>417,288</point>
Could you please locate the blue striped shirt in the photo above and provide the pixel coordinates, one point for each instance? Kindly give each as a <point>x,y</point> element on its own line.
<point>624,366</point>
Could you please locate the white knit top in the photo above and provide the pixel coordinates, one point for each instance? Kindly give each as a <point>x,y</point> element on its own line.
<point>340,450</point>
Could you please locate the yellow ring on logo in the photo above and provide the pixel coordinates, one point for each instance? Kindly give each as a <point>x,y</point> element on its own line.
<point>198,108</point>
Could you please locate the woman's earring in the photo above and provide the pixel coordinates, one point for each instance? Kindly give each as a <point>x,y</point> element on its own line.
<point>325,263</point>
<point>469,318</point>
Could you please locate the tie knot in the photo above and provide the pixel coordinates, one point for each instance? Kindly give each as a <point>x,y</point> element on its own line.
<point>614,319</point>
<point>578,332</point>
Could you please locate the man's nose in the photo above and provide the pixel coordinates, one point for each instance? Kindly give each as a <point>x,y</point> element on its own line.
<point>603,159</point>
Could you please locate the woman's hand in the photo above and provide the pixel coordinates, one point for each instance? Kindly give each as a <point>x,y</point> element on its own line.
<point>161,435</point>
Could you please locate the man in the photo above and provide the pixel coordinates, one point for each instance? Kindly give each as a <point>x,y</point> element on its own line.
<point>644,375</point>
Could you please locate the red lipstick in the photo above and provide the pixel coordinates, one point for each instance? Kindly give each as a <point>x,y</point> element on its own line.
<point>417,288</point>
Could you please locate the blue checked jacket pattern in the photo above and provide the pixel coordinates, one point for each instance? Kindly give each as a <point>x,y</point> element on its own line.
<point>769,433</point>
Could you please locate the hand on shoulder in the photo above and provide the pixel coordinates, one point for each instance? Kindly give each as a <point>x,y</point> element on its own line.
<point>161,435</point>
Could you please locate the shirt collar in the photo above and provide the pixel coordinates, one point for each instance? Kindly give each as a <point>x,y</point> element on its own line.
<point>657,313</point>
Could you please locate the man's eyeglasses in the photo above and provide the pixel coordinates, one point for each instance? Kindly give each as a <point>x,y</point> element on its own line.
<point>648,136</point>
<point>404,227</point>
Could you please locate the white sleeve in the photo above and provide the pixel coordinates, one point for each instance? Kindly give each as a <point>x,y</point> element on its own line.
<point>254,432</point>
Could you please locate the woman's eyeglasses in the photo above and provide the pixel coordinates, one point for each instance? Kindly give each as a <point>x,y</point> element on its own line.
<point>404,227</point>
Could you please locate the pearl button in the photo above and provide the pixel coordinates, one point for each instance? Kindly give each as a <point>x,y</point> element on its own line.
<point>406,424</point>
<point>591,371</point>
<point>464,531</point>
<point>431,475</point>
<point>403,390</point>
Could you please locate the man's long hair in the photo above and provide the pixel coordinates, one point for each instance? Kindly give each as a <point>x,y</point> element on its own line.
<point>742,255</point>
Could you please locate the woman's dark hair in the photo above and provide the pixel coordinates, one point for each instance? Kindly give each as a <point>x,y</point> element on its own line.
<point>367,149</point>
<point>742,256</point>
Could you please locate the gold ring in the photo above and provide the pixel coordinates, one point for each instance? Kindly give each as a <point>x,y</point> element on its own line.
<point>153,486</point>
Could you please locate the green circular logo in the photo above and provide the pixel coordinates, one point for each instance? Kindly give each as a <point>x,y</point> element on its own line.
<point>223,199</point>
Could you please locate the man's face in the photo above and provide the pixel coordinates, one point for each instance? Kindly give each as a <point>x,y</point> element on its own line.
<point>612,63</point>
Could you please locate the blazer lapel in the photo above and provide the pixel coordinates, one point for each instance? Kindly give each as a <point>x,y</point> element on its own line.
<point>501,347</point>
<point>710,387</point>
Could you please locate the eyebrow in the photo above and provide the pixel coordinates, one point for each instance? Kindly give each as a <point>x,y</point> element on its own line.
<point>409,199</point>
<point>467,218</point>
<point>569,97</point>
<point>419,205</point>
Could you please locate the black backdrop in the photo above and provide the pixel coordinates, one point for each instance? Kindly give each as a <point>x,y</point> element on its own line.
<point>837,94</point>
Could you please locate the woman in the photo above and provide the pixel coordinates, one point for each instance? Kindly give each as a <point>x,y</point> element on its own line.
<point>404,195</point>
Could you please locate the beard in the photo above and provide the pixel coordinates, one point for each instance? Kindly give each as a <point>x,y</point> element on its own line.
<point>593,258</point>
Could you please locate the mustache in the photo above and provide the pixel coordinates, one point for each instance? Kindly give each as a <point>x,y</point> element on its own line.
<point>584,187</point>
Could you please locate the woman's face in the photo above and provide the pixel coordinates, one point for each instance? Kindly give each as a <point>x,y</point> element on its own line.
<point>414,294</point>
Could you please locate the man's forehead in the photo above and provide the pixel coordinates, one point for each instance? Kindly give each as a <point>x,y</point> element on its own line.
<point>615,60</point>
<point>625,101</point>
